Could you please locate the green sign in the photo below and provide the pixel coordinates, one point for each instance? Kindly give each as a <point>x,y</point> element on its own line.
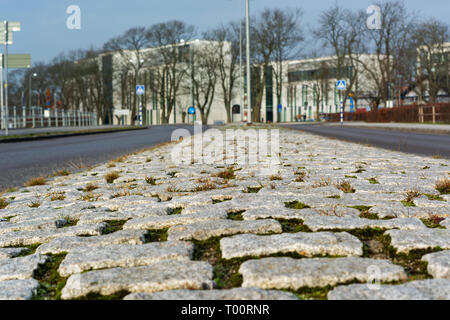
<point>13,26</point>
<point>16,61</point>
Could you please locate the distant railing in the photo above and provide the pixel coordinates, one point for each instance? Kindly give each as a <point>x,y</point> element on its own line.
<point>432,113</point>
<point>38,117</point>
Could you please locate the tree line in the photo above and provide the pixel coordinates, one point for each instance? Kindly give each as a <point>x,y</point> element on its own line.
<point>277,35</point>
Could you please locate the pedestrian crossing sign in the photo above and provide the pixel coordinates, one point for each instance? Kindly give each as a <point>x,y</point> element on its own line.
<point>341,85</point>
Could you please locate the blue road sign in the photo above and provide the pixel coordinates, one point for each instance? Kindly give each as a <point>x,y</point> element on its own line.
<point>140,90</point>
<point>280,107</point>
<point>191,110</point>
<point>341,85</point>
<point>352,104</point>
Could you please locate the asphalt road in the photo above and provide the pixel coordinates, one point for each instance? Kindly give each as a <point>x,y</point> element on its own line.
<point>415,143</point>
<point>19,161</point>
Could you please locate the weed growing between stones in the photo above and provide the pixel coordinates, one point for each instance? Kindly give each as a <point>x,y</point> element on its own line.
<point>334,197</point>
<point>3,203</point>
<point>226,174</point>
<point>173,211</point>
<point>110,177</point>
<point>90,187</point>
<point>293,225</point>
<point>433,222</point>
<point>252,189</point>
<point>433,197</point>
<point>373,181</point>
<point>236,215</point>
<point>35,204</point>
<point>31,249</point>
<point>150,180</point>
<point>443,186</point>
<point>226,272</point>
<point>114,226</point>
<point>345,187</point>
<point>351,177</point>
<point>365,212</point>
<point>156,235</point>
<point>40,181</point>
<point>296,205</point>
<point>51,283</point>
<point>377,245</point>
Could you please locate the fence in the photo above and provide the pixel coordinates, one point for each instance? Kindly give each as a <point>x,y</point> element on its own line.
<point>433,113</point>
<point>38,117</point>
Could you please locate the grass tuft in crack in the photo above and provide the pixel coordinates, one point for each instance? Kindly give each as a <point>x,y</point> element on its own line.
<point>51,283</point>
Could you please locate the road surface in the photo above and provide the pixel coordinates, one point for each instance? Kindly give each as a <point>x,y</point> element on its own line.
<point>415,143</point>
<point>20,161</point>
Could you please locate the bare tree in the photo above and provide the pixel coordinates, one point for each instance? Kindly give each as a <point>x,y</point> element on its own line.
<point>288,35</point>
<point>227,45</point>
<point>170,64</point>
<point>132,47</point>
<point>431,38</point>
<point>206,65</point>
<point>340,31</point>
<point>390,45</point>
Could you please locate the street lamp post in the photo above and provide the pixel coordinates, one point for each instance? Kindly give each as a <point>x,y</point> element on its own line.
<point>249,97</point>
<point>29,86</point>
<point>240,68</point>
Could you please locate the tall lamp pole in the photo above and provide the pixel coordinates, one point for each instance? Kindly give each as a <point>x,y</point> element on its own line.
<point>249,98</point>
<point>29,87</point>
<point>240,67</point>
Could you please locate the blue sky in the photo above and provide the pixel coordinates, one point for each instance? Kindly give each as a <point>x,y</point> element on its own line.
<point>44,33</point>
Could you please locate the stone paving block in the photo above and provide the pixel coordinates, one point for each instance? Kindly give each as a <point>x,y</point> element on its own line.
<point>303,243</point>
<point>21,268</point>
<point>6,253</point>
<point>438,264</point>
<point>31,225</point>
<point>123,255</point>
<point>161,222</point>
<point>161,276</point>
<point>23,238</point>
<point>230,294</point>
<point>415,290</point>
<point>68,244</point>
<point>210,229</point>
<point>316,223</point>
<point>289,273</point>
<point>18,289</point>
<point>407,240</point>
<point>446,223</point>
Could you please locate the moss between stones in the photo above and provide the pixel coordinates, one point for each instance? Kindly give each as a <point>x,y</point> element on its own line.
<point>114,226</point>
<point>408,203</point>
<point>226,272</point>
<point>296,205</point>
<point>173,211</point>
<point>433,197</point>
<point>236,215</point>
<point>433,223</point>
<point>414,267</point>
<point>293,225</point>
<point>31,249</point>
<point>156,235</point>
<point>252,189</point>
<point>334,197</point>
<point>51,283</point>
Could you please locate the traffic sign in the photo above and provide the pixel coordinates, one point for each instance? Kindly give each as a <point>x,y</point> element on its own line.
<point>140,90</point>
<point>12,26</point>
<point>19,61</point>
<point>341,85</point>
<point>191,110</point>
<point>280,107</point>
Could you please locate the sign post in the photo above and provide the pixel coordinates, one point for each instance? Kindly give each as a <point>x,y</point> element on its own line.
<point>341,86</point>
<point>140,90</point>
<point>6,31</point>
